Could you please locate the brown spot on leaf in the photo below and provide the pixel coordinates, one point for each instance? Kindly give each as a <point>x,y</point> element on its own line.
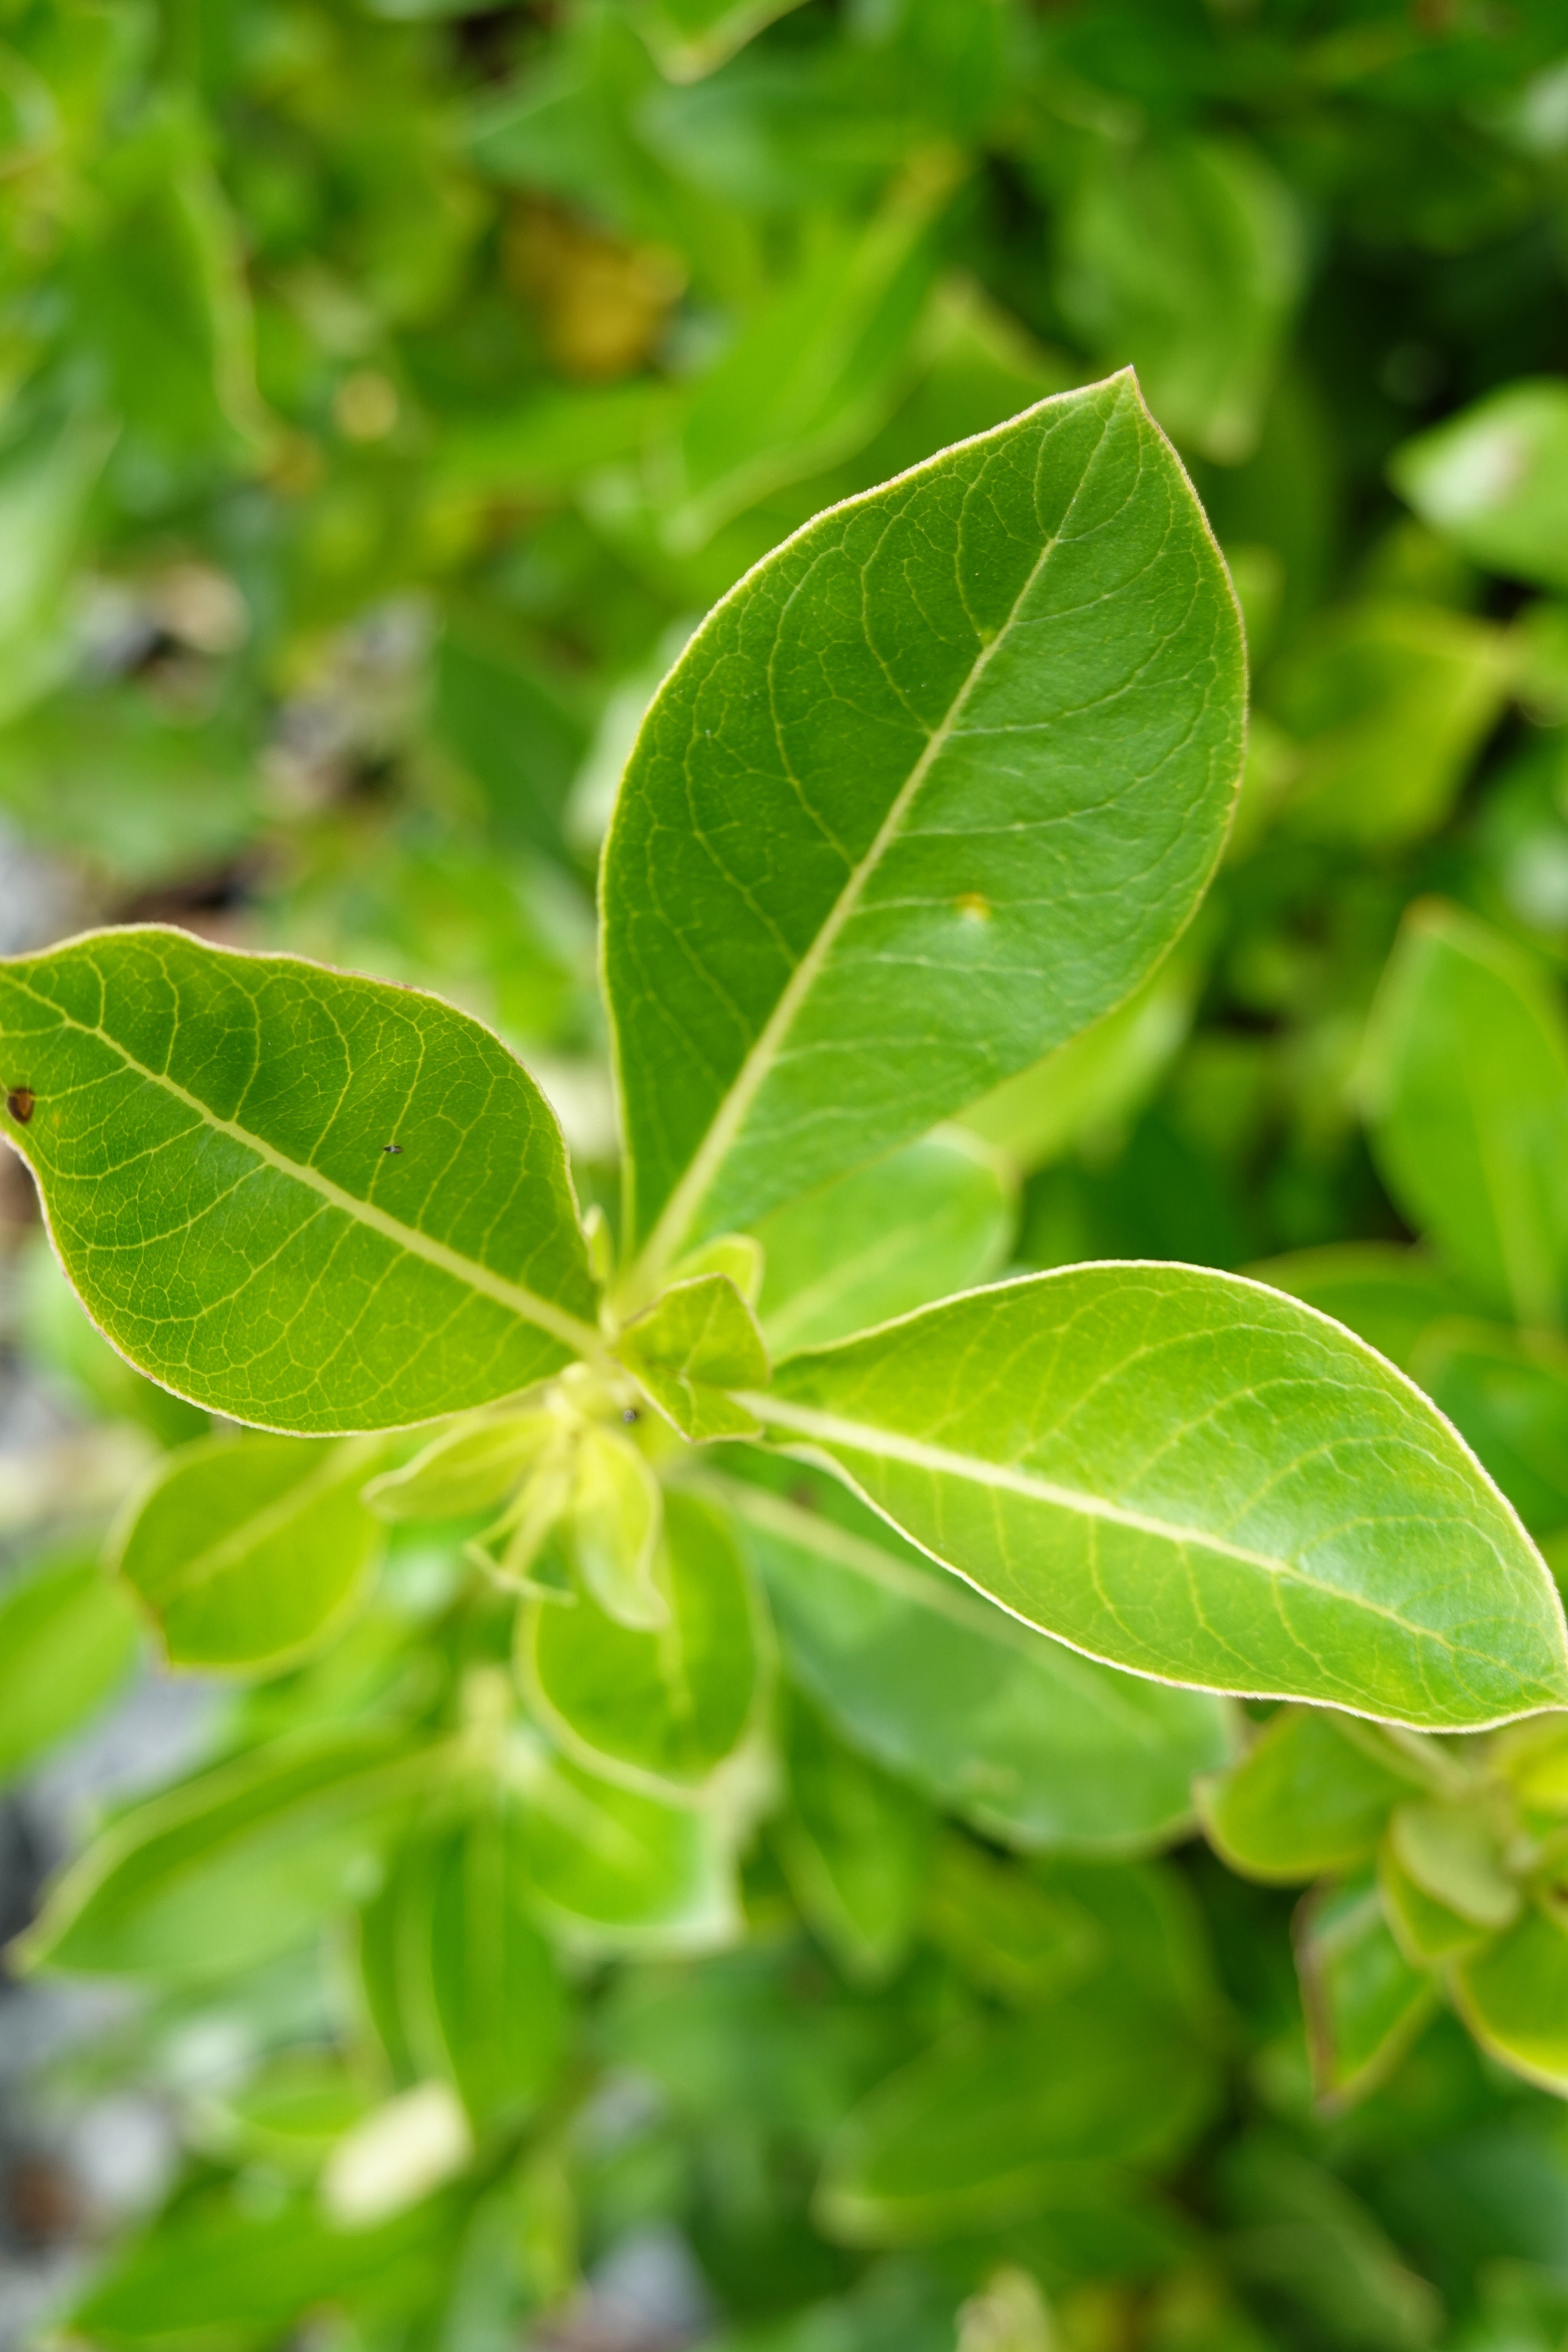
<point>19,1103</point>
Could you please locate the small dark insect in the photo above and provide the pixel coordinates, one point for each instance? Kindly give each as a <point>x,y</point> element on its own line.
<point>392,1147</point>
<point>631,1413</point>
<point>19,1103</point>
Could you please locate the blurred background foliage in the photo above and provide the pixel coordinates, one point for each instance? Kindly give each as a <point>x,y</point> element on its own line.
<point>386,389</point>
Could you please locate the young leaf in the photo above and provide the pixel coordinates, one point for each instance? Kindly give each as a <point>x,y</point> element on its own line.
<point>249,1553</point>
<point>1037,1746</point>
<point>1365,2002</point>
<point>1192,1476</point>
<point>936,1217</point>
<point>469,1468</point>
<point>496,1994</point>
<point>659,1708</point>
<point>928,792</point>
<point>1311,1795</point>
<point>315,1202</point>
<point>1494,479</point>
<point>1513,1996</point>
<point>1465,1085</point>
<point>1451,1853</point>
<point>615,1514</point>
<point>614,1870</point>
<point>696,1342</point>
<point>68,1635</point>
<point>1426,1931</point>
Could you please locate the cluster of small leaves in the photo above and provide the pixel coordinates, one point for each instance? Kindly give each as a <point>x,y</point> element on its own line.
<point>631,1806</point>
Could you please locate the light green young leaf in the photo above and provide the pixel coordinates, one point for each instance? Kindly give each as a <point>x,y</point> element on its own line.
<point>1365,2002</point>
<point>315,1202</point>
<point>1385,1295</point>
<point>1506,1392</point>
<point>1427,1933</point>
<point>1194,1477</point>
<point>929,792</point>
<point>251,1552</point>
<point>659,1709</point>
<point>697,1342</point>
<point>237,1865</point>
<point>1451,1853</point>
<point>1513,1996</point>
<point>497,1997</point>
<point>613,1518</point>
<point>935,1218</point>
<point>1036,1745</point>
<point>469,1468</point>
<point>1494,479</point>
<point>856,1845</point>
<point>1466,1086</point>
<point>67,1636</point>
<point>1311,1795</point>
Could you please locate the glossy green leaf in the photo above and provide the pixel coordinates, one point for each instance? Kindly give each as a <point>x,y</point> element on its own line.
<point>496,1998</point>
<point>660,1709</point>
<point>68,1637</point>
<point>1037,1746</point>
<point>1311,1795</point>
<point>615,1869</point>
<point>1506,1392</point>
<point>1156,1465</point>
<point>213,1134</point>
<point>1365,2002</point>
<point>1387,1295</point>
<point>693,1344</point>
<point>251,1552</point>
<point>931,790</point>
<point>1465,1085</point>
<point>935,1218</point>
<point>1513,1996</point>
<point>242,1863</point>
<point>1494,479</point>
<point>469,1468</point>
<point>856,1844</point>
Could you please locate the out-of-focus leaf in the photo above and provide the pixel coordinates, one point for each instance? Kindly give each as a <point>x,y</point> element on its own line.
<point>1465,1085</point>
<point>1304,2236</point>
<point>47,479</point>
<point>1018,1940</point>
<point>1495,480</point>
<point>1186,258</point>
<point>68,1635</point>
<point>1513,1996</point>
<point>856,1844</point>
<point>1507,1392</point>
<point>1451,1851</point>
<point>249,1554</point>
<point>469,1468</point>
<point>396,2155</point>
<point>512,731</point>
<point>496,1998</point>
<point>1365,2002</point>
<point>614,1869</point>
<point>1311,1795</point>
<point>935,1218</point>
<point>1385,1295</point>
<point>1426,1931</point>
<point>692,38</point>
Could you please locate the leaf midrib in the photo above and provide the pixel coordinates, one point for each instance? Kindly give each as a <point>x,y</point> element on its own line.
<point>579,1336</point>
<point>675,1219</point>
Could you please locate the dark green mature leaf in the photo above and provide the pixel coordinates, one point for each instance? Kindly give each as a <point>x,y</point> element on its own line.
<point>68,1635</point>
<point>249,1553</point>
<point>1466,1083</point>
<point>1033,1743</point>
<point>929,792</point>
<point>314,1203</point>
<point>1195,1478</point>
<point>857,1847</point>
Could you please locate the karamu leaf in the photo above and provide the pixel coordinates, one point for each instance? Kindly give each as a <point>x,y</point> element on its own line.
<point>317,1203</point>
<point>1034,1745</point>
<point>612,1869</point>
<point>1190,1475</point>
<point>1365,2002</point>
<point>1451,1852</point>
<point>1387,1295</point>
<point>469,1468</point>
<point>1506,1392</point>
<point>936,1217</point>
<point>614,1515</point>
<point>1018,1941</point>
<point>660,1708</point>
<point>1513,1996</point>
<point>697,1342</point>
<point>1426,1931</point>
<point>1311,1795</point>
<point>242,1863</point>
<point>1494,480</point>
<point>930,791</point>
<point>1466,1086</point>
<point>248,1553</point>
<point>856,1844</point>
<point>68,1637</point>
<point>496,1994</point>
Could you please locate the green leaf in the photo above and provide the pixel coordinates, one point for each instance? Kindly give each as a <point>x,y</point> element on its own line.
<point>497,1997</point>
<point>1036,1745</point>
<point>931,791</point>
<point>1513,1996</point>
<point>1451,1853</point>
<point>1426,1931</point>
<point>1020,1941</point>
<point>1365,2002</point>
<point>250,1553</point>
<point>856,1845</point>
<point>212,1133</point>
<point>985,2129</point>
<point>660,1709</point>
<point>1186,258</point>
<point>1306,2239</point>
<point>1194,1477</point>
<point>1385,1295</point>
<point>690,38</point>
<point>469,1468</point>
<point>1311,1795</point>
<point>68,1637</point>
<point>1466,1086</point>
<point>614,1515</point>
<point>242,1863</point>
<point>936,1217</point>
<point>699,1340</point>
<point>1506,1392</point>
<point>1494,479</point>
